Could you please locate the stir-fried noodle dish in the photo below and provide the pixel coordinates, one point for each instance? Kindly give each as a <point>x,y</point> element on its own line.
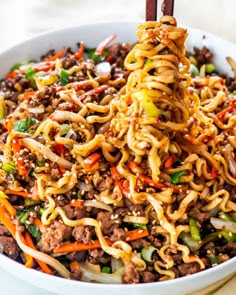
<point>118,163</point>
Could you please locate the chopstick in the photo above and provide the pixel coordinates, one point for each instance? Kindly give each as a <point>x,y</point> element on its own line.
<point>151,9</point>
<point>167,7</point>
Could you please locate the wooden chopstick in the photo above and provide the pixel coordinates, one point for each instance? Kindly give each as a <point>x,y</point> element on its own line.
<point>151,10</point>
<point>167,7</point>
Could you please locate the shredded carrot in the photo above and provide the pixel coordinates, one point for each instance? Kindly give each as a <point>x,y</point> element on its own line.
<point>135,168</point>
<point>37,223</point>
<point>10,209</point>
<point>9,123</point>
<point>114,173</point>
<point>29,260</point>
<point>18,193</point>
<point>78,246</point>
<point>78,55</point>
<point>76,203</point>
<point>136,234</point>
<point>20,164</point>
<point>150,182</point>
<point>28,94</point>
<point>74,265</point>
<point>91,160</point>
<point>57,55</point>
<point>14,73</point>
<point>29,242</point>
<point>170,161</point>
<point>6,221</point>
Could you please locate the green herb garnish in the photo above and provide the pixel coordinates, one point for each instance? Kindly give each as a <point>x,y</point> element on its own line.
<point>24,124</point>
<point>64,77</point>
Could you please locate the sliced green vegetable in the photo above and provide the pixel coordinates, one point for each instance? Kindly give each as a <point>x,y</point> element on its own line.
<point>139,225</point>
<point>173,149</point>
<point>106,269</point>
<point>213,258</point>
<point>64,77</point>
<point>30,202</point>
<point>176,176</point>
<point>148,62</point>
<point>18,65</point>
<point>23,216</point>
<point>79,196</point>
<point>40,163</point>
<point>210,68</point>
<point>2,109</point>
<point>234,92</point>
<point>3,195</point>
<point>149,107</point>
<point>193,70</point>
<point>29,73</point>
<point>147,253</point>
<point>24,124</point>
<point>33,230</point>
<point>230,237</point>
<point>64,129</point>
<point>41,210</point>
<point>226,216</point>
<point>9,167</point>
<point>190,242</point>
<point>97,58</point>
<point>194,229</point>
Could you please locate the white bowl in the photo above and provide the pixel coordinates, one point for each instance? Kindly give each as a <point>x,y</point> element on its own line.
<point>91,35</point>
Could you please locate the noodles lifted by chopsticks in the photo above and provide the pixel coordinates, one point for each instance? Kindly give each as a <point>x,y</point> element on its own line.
<point>134,175</point>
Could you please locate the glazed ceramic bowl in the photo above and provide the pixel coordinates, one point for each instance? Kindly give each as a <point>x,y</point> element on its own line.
<point>91,35</point>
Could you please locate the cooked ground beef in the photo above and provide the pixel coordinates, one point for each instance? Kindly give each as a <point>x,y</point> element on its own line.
<point>4,231</point>
<point>76,275</point>
<point>96,256</point>
<point>105,184</point>
<point>82,234</point>
<point>9,246</point>
<point>108,224</point>
<point>131,275</point>
<point>140,243</point>
<point>118,52</point>
<point>75,212</point>
<point>53,235</point>
<point>188,268</point>
<point>118,235</point>
<point>203,55</point>
<point>55,172</point>
<point>147,277</point>
<point>79,256</point>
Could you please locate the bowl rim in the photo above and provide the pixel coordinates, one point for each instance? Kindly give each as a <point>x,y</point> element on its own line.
<point>204,273</point>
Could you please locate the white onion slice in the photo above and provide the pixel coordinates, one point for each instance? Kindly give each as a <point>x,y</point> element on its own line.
<point>223,224</point>
<point>89,274</point>
<point>103,69</point>
<point>37,147</point>
<point>37,110</point>
<point>116,264</point>
<point>135,219</point>
<point>97,204</point>
<point>84,186</point>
